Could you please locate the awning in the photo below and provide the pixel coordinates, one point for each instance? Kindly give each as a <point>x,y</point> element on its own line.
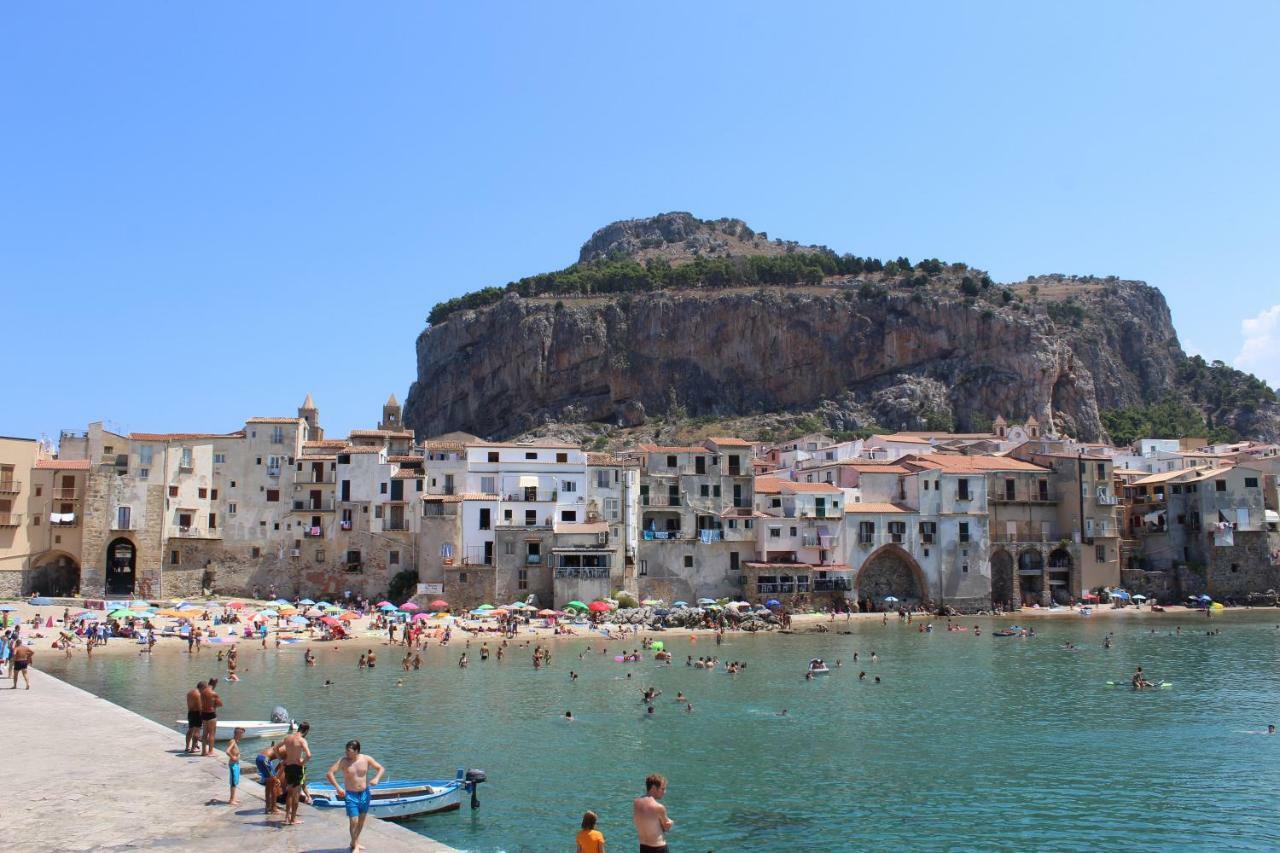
<point>527,481</point>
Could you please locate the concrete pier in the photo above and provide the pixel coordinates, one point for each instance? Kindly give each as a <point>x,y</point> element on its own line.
<point>86,774</point>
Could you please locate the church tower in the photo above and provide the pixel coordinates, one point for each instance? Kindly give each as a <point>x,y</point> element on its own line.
<point>1000,426</point>
<point>391,415</point>
<point>309,413</point>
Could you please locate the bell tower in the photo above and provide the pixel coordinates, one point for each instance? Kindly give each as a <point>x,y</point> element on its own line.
<point>391,415</point>
<point>309,413</point>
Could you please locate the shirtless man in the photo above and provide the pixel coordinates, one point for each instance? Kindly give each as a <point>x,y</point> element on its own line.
<point>296,754</point>
<point>355,787</point>
<point>210,701</point>
<point>650,816</point>
<point>194,722</point>
<point>20,661</point>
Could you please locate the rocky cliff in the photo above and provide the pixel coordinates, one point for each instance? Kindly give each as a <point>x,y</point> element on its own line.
<point>887,347</point>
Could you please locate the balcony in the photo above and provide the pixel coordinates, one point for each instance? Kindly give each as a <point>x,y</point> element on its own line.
<point>667,535</point>
<point>833,585</point>
<point>590,573</point>
<point>312,505</point>
<point>660,500</point>
<point>531,496</point>
<point>309,478</point>
<point>476,556</point>
<point>10,487</point>
<point>64,495</point>
<point>1106,500</point>
<point>11,519</point>
<point>345,525</point>
<point>782,588</point>
<point>273,472</point>
<point>396,525</point>
<point>710,535</point>
<point>196,533</point>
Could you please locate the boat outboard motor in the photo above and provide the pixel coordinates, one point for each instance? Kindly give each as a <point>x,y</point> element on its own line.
<point>473,780</point>
<point>280,714</point>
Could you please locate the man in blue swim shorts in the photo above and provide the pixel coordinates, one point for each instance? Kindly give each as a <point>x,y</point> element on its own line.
<point>356,786</point>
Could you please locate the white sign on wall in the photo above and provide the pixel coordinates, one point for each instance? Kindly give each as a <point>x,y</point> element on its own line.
<point>430,588</point>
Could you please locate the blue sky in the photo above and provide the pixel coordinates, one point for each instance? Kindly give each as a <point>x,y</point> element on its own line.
<point>209,210</point>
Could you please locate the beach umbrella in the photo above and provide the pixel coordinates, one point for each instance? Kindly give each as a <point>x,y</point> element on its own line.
<point>577,605</point>
<point>479,612</point>
<point>297,620</point>
<point>348,616</point>
<point>651,602</point>
<point>703,602</point>
<point>330,621</point>
<point>1217,605</point>
<point>315,611</point>
<point>122,613</point>
<point>408,605</point>
<point>234,605</point>
<point>485,607</point>
<point>518,605</point>
<point>439,604</point>
<point>418,617</point>
<point>188,607</point>
<point>41,601</point>
<point>714,607</point>
<point>306,601</point>
<point>773,602</point>
<point>323,604</point>
<point>1139,597</point>
<point>443,616</point>
<point>548,613</point>
<point>278,602</point>
<point>599,606</point>
<point>1203,597</point>
<point>267,614</point>
<point>661,611</point>
<point>891,599</point>
<point>501,611</point>
<point>681,604</point>
<point>88,614</point>
<point>387,608</point>
<point>140,604</point>
<point>7,608</point>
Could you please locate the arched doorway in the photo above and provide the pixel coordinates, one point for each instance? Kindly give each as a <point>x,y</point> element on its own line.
<point>890,572</point>
<point>122,565</point>
<point>1002,585</point>
<point>57,576</point>
<point>1031,575</point>
<point>1060,575</point>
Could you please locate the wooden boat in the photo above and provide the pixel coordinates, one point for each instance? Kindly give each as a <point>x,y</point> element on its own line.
<point>817,667</point>
<point>1012,631</point>
<point>402,799</point>
<point>252,728</point>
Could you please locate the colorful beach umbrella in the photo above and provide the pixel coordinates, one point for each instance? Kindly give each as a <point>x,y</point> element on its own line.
<point>383,603</point>
<point>140,605</point>
<point>306,601</point>
<point>330,621</point>
<point>548,613</point>
<point>278,602</point>
<point>599,606</point>
<point>387,608</point>
<point>705,601</point>
<point>122,613</point>
<point>348,616</point>
<point>439,604</point>
<point>266,614</point>
<point>297,620</point>
<point>420,616</point>
<point>235,605</point>
<point>323,604</point>
<point>577,605</point>
<point>409,605</point>
<point>773,602</point>
<point>7,608</point>
<point>681,604</point>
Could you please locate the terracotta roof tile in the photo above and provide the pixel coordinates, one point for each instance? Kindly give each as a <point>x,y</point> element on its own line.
<point>360,449</point>
<point>63,464</point>
<point>809,487</point>
<point>855,508</point>
<point>662,448</point>
<point>968,464</point>
<point>901,438</point>
<point>769,485</point>
<point>325,443</point>
<point>724,441</point>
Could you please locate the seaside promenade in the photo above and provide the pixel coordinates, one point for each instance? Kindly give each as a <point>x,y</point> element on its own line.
<point>96,776</point>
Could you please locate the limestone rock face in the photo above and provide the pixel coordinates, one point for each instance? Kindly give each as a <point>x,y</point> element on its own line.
<point>904,360</point>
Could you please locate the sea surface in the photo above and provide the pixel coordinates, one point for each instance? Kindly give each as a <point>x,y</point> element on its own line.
<point>969,742</point>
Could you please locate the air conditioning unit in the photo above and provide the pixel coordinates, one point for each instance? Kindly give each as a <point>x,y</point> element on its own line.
<point>295,552</point>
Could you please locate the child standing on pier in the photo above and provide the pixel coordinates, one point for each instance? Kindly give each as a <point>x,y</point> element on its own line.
<point>233,764</point>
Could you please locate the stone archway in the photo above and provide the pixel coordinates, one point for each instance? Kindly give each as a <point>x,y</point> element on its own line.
<point>1004,587</point>
<point>891,571</point>
<point>1059,575</point>
<point>57,575</point>
<point>1031,575</point>
<point>122,566</point>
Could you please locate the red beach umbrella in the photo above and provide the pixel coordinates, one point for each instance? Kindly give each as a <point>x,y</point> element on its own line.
<point>439,604</point>
<point>235,605</point>
<point>330,621</point>
<point>599,606</point>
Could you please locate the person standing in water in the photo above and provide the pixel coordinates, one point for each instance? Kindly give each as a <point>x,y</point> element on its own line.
<point>650,815</point>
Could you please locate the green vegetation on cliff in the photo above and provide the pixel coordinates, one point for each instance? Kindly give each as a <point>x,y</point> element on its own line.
<point>626,275</point>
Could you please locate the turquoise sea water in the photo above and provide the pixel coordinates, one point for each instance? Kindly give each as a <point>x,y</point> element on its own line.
<point>968,742</point>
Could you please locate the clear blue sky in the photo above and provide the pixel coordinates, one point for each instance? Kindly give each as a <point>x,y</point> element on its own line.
<point>208,210</point>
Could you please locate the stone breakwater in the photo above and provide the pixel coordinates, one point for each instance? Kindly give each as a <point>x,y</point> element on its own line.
<point>143,791</point>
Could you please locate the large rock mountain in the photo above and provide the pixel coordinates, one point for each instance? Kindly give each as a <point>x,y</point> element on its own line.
<point>712,319</point>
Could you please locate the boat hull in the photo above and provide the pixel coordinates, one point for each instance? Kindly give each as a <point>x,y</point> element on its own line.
<point>399,800</point>
<point>252,729</point>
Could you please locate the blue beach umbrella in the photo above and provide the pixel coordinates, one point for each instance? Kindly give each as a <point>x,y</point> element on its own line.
<point>681,604</point>
<point>268,614</point>
<point>306,601</point>
<point>387,608</point>
<point>7,608</point>
<point>323,604</point>
<point>773,602</point>
<point>41,601</point>
<point>279,602</point>
<point>297,620</point>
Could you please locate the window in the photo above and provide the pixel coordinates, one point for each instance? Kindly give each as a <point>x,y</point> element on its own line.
<point>492,456</point>
<point>213,521</point>
<point>219,458</point>
<point>233,484</point>
<point>1177,490</point>
<point>485,521</point>
<point>562,457</point>
<point>775,532</point>
<point>704,490</point>
<point>644,568</point>
<point>749,523</point>
<point>522,579</point>
<point>793,532</point>
<point>688,562</point>
<point>1100,553</point>
<point>533,553</point>
<point>202,493</point>
<point>529,455</point>
<point>866,532</point>
<point>123,518</point>
<point>775,503</point>
<point>530,518</point>
<point>924,485</point>
<point>417,484</point>
<point>897,530</point>
<point>377,512</point>
<point>734,564</point>
<point>39,490</point>
<point>277,435</point>
<point>964,531</point>
<point>320,556</point>
<point>671,462</point>
<point>962,489</point>
<point>173,558</point>
<point>145,455</point>
<point>173,491</point>
<point>393,558</point>
<point>1009,491</point>
<point>382,488</point>
<point>602,479</point>
<point>231,509</point>
<point>569,486</point>
<point>273,495</point>
<point>509,548</point>
<point>568,515</point>
<point>213,494</point>
<point>462,577</point>
<point>612,508</point>
<point>1220,485</point>
<point>928,530</point>
<point>1251,482</point>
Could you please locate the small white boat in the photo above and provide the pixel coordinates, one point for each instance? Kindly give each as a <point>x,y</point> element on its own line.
<point>407,798</point>
<point>252,728</point>
<point>818,667</point>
